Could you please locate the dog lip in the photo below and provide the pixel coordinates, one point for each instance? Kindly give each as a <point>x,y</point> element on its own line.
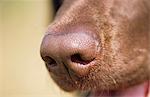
<point>65,82</point>
<point>141,90</point>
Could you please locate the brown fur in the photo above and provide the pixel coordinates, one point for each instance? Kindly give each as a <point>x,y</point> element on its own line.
<point>123,30</point>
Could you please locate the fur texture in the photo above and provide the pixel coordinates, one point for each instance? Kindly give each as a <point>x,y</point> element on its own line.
<point>123,30</point>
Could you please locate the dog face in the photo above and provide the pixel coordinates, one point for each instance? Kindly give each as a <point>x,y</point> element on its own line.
<point>98,44</point>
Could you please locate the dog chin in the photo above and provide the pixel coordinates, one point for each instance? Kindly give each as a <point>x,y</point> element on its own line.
<point>142,90</point>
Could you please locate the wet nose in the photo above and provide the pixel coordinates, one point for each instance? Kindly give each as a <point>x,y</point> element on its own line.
<point>75,51</point>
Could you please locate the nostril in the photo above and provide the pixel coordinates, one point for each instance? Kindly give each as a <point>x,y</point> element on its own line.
<point>77,58</point>
<point>49,61</point>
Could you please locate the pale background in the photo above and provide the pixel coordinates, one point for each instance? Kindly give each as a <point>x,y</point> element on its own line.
<point>22,72</point>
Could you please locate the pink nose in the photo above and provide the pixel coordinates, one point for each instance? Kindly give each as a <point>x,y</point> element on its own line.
<point>74,51</point>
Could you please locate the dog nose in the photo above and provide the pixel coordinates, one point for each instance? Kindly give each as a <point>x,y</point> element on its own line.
<point>74,51</point>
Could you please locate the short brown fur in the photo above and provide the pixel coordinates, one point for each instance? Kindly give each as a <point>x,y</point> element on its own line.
<point>123,28</point>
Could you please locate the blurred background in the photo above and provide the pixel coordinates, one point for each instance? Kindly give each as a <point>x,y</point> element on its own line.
<point>22,72</point>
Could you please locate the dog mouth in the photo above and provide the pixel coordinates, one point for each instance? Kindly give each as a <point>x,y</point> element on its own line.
<point>68,83</point>
<point>142,90</point>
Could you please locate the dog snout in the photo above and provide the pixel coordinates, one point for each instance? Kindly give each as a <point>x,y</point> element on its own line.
<point>75,52</point>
